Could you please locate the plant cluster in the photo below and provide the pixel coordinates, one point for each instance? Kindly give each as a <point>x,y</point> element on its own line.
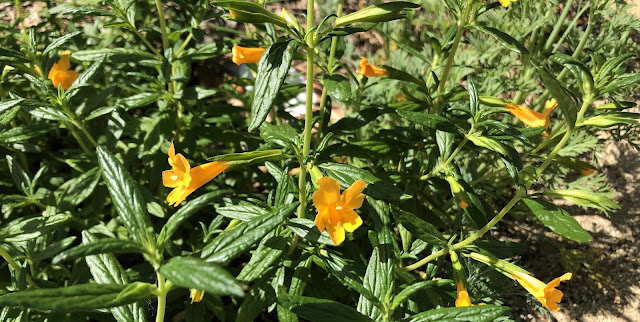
<point>382,214</point>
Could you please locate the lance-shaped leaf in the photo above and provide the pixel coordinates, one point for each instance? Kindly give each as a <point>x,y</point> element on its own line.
<point>272,70</point>
<point>307,229</point>
<point>411,289</point>
<point>504,39</point>
<point>185,213</point>
<point>319,310</point>
<point>125,196</point>
<point>100,246</point>
<point>418,227</point>
<point>127,55</point>
<point>106,269</point>
<point>268,252</point>
<point>429,120</point>
<point>611,119</point>
<point>558,220</point>
<point>481,313</point>
<point>377,13</point>
<point>232,243</point>
<point>246,11</point>
<point>195,273</point>
<point>23,229</point>
<point>80,297</point>
<point>379,276</point>
<point>59,42</point>
<point>566,101</point>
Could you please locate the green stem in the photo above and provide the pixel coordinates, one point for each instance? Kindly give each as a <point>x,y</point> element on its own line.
<point>330,69</point>
<point>558,25</point>
<point>521,193</point>
<point>163,25</point>
<point>184,45</point>
<point>15,265</point>
<point>576,54</point>
<point>449,159</point>
<point>79,139</point>
<point>572,25</point>
<point>462,24</point>
<point>162,298</point>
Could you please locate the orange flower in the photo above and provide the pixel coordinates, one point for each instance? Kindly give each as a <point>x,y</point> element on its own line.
<point>505,3</point>
<point>60,73</point>
<point>336,212</point>
<point>196,295</point>
<point>244,55</point>
<point>370,70</point>
<point>547,294</point>
<point>587,171</point>
<point>531,117</point>
<point>185,179</point>
<point>463,296</point>
<point>233,14</point>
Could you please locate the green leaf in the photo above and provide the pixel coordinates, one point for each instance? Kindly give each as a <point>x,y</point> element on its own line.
<point>611,119</point>
<point>376,188</point>
<point>247,11</point>
<point>23,229</point>
<point>474,101</point>
<point>49,113</point>
<point>337,86</point>
<point>622,82</point>
<point>418,227</point>
<point>429,120</point>
<point>579,70</point>
<point>106,269</point>
<point>283,135</point>
<point>233,242</point>
<point>124,55</point>
<point>100,246</point>
<point>306,229</point>
<point>347,275</point>
<point>185,212</point>
<point>377,13</point>
<point>76,190</point>
<point>20,178</point>
<point>195,273</point>
<point>504,39</point>
<point>22,133</point>
<point>272,70</point>
<point>7,104</point>
<point>138,100</point>
<point>79,297</point>
<point>248,157</point>
<point>480,313</point>
<point>244,211</point>
<point>558,220</point>
<point>587,199</point>
<point>566,102</point>
<point>268,252</point>
<point>379,277</point>
<point>411,289</point>
<point>612,64</point>
<point>59,42</point>
<point>53,249</point>
<point>319,310</point>
<point>126,197</point>
<point>12,57</point>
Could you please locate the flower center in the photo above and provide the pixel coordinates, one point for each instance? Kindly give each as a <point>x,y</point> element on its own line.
<point>338,207</point>
<point>174,177</point>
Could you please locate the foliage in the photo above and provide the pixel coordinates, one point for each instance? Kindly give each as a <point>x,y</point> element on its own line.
<point>87,234</point>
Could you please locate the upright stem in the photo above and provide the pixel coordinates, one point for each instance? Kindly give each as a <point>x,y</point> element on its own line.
<point>462,24</point>
<point>330,68</point>
<point>162,298</point>
<point>449,159</point>
<point>15,265</point>
<point>558,25</point>
<point>163,25</point>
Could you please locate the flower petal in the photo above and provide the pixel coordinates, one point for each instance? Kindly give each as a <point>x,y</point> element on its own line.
<point>352,197</point>
<point>350,220</point>
<point>528,116</point>
<point>328,193</point>
<point>336,233</point>
<point>171,179</point>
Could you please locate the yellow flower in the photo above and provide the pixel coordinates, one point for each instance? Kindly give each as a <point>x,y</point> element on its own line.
<point>196,295</point>
<point>244,55</point>
<point>531,117</point>
<point>370,70</point>
<point>336,212</point>
<point>285,15</point>
<point>185,179</point>
<point>463,296</point>
<point>505,3</point>
<point>547,294</point>
<point>233,14</point>
<point>60,73</point>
